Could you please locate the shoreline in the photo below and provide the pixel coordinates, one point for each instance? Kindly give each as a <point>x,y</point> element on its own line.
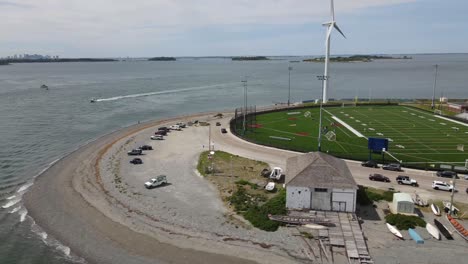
<point>63,212</point>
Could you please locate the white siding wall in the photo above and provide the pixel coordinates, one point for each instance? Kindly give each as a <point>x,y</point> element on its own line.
<point>297,197</point>
<point>344,200</point>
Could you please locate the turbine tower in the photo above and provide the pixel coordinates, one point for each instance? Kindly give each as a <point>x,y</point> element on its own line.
<point>330,25</point>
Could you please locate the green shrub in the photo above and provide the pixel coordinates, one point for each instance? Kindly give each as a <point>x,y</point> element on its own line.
<point>258,215</point>
<point>366,196</point>
<point>404,222</point>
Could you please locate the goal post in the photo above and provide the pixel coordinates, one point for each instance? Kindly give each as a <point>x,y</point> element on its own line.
<point>438,112</point>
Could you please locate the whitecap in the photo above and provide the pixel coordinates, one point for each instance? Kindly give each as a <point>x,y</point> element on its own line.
<point>11,197</point>
<point>25,187</point>
<point>11,203</point>
<point>16,209</point>
<point>23,213</point>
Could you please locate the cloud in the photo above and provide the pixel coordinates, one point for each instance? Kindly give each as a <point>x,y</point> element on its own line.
<point>104,22</point>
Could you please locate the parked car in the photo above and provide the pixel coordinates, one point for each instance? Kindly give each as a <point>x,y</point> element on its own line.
<point>135,152</point>
<point>157,137</point>
<point>163,128</point>
<point>392,167</point>
<point>181,125</point>
<point>218,124</point>
<point>401,179</point>
<point>466,189</point>
<point>161,132</point>
<point>146,147</point>
<point>370,163</point>
<point>155,182</point>
<point>378,177</point>
<point>136,161</point>
<point>223,130</point>
<point>447,174</point>
<point>440,185</point>
<point>175,127</point>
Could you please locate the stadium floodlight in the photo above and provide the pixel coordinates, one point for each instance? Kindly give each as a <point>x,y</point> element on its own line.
<point>434,87</point>
<point>330,25</point>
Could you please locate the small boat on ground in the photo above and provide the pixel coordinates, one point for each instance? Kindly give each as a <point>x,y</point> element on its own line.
<point>415,236</point>
<point>433,231</point>
<point>315,226</point>
<point>301,220</point>
<point>395,231</point>
<point>462,231</point>
<point>443,229</point>
<point>448,205</point>
<point>419,201</point>
<point>435,209</point>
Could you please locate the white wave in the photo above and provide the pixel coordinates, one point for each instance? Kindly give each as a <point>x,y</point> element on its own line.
<point>162,92</point>
<point>23,213</point>
<point>16,209</point>
<point>11,203</point>
<point>25,187</point>
<point>11,197</point>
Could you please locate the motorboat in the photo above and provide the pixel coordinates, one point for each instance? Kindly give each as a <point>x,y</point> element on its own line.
<point>394,231</point>
<point>435,209</point>
<point>44,87</point>
<point>93,100</point>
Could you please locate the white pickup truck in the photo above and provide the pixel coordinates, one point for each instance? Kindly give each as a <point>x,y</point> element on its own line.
<point>401,179</point>
<point>155,182</point>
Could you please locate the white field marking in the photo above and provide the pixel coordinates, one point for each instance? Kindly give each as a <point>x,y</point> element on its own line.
<point>421,117</point>
<point>432,120</point>
<point>400,146</point>
<point>358,121</point>
<point>292,125</point>
<point>364,124</point>
<point>293,113</point>
<point>442,124</point>
<point>405,111</point>
<point>412,113</point>
<point>454,121</point>
<point>350,128</point>
<point>466,132</point>
<point>456,128</point>
<point>346,114</point>
<point>351,117</point>
<point>371,129</point>
<point>342,112</point>
<point>389,139</point>
<point>380,134</point>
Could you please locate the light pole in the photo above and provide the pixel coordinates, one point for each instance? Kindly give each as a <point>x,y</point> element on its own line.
<point>322,78</point>
<point>289,90</point>
<point>245,103</point>
<point>433,90</point>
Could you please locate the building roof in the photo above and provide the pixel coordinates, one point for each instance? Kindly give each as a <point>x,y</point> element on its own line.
<point>318,170</point>
<point>402,197</point>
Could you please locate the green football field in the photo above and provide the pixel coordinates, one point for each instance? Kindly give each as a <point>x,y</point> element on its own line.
<point>415,137</point>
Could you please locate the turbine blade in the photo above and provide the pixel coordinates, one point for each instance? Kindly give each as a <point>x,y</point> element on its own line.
<point>339,30</point>
<point>332,10</point>
<point>329,30</point>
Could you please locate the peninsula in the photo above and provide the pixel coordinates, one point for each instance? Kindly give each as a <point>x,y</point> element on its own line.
<point>162,59</point>
<point>45,60</point>
<point>358,58</point>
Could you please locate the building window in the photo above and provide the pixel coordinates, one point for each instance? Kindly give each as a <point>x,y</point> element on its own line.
<point>321,190</point>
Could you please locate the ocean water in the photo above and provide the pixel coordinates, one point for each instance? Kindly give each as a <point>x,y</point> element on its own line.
<point>39,126</point>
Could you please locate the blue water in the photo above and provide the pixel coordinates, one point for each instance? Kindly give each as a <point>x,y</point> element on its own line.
<point>38,126</point>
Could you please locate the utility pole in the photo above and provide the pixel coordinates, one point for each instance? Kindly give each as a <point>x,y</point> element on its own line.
<point>434,88</point>
<point>245,103</point>
<point>451,197</point>
<point>209,137</point>
<point>289,90</point>
<point>321,78</point>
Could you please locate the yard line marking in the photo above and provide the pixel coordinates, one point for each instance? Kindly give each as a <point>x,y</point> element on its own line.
<point>380,134</point>
<point>350,128</point>
<point>342,130</point>
<point>454,121</point>
<point>442,124</point>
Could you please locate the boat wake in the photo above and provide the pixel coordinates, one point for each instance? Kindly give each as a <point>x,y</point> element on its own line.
<point>163,92</point>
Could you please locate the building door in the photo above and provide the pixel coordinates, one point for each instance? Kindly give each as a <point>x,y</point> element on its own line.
<point>339,206</point>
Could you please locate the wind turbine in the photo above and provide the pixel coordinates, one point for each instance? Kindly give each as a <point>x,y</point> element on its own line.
<point>332,24</point>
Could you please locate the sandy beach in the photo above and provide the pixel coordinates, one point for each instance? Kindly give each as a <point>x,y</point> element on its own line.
<point>94,201</point>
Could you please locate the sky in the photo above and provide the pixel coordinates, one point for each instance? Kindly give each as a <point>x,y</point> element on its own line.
<point>145,28</point>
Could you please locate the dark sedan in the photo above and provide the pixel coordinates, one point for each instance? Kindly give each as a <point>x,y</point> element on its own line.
<point>392,167</point>
<point>378,177</point>
<point>370,164</point>
<point>136,161</point>
<point>447,174</point>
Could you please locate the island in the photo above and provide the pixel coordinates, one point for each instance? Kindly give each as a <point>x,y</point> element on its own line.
<point>162,59</point>
<point>8,61</point>
<point>4,62</point>
<point>358,58</point>
<point>249,58</point>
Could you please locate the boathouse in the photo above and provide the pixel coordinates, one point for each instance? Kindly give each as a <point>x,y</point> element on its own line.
<point>318,181</point>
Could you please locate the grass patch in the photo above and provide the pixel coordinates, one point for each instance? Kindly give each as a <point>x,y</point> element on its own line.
<point>368,195</point>
<point>404,222</point>
<point>257,215</point>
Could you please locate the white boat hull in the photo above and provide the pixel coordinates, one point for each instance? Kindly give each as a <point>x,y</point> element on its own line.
<point>315,226</point>
<point>435,209</point>
<point>394,231</point>
<point>433,231</point>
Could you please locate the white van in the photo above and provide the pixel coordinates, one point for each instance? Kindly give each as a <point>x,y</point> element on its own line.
<point>155,182</point>
<point>175,127</point>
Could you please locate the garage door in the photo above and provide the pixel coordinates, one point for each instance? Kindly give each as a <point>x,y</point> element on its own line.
<point>343,201</point>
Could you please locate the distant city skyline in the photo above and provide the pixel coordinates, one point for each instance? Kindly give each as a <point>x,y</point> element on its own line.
<point>146,28</point>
